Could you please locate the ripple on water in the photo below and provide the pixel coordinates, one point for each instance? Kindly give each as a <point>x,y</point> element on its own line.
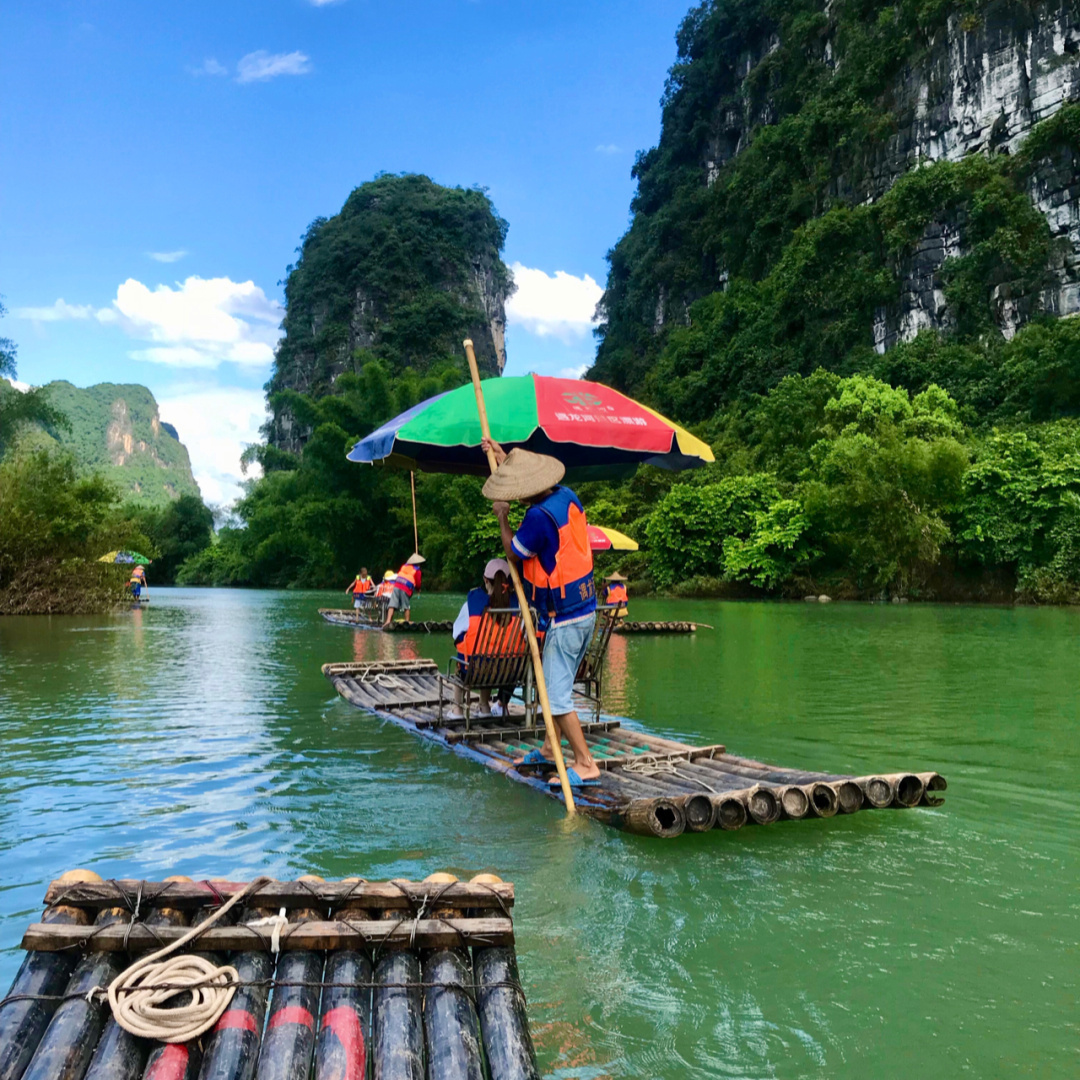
<point>199,737</point>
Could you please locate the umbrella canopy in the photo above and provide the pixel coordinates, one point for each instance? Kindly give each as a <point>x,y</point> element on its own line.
<point>604,539</point>
<point>583,424</point>
<point>125,557</point>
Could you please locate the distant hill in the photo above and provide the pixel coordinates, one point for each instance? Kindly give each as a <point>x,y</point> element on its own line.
<point>116,430</point>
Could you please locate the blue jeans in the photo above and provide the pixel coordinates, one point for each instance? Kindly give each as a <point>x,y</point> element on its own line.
<point>564,647</point>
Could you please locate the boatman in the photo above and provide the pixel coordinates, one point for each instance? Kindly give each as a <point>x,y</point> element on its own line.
<point>406,582</point>
<point>138,580</point>
<point>615,594</point>
<point>552,548</point>
<point>361,586</point>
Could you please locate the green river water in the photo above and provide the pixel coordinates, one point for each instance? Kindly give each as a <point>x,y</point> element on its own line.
<point>199,737</point>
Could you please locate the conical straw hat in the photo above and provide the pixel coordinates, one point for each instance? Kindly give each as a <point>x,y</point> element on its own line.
<point>522,475</point>
<point>415,559</point>
<point>616,577</point>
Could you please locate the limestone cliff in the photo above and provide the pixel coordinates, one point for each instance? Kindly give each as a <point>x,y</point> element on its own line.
<point>983,86</point>
<point>402,274</point>
<point>778,112</point>
<point>116,430</point>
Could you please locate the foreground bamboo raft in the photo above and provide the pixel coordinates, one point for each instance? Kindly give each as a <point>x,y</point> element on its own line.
<point>359,619</point>
<point>648,785</point>
<point>343,980</point>
<point>628,626</point>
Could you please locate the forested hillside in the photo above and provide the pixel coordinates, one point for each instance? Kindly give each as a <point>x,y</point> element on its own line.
<point>849,258</point>
<point>402,274</point>
<point>376,310</point>
<point>114,430</point>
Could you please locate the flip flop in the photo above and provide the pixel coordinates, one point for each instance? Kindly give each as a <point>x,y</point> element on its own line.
<point>575,780</point>
<point>534,757</point>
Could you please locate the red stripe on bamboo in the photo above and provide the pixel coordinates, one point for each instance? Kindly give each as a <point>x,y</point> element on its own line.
<point>292,1014</point>
<point>345,1024</point>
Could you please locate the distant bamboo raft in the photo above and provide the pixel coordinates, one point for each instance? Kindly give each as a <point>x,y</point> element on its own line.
<point>627,626</point>
<point>362,621</point>
<point>648,785</point>
<point>394,979</point>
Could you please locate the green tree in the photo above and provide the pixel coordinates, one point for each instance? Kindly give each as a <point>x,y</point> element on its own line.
<point>55,521</point>
<point>178,532</point>
<point>8,352</point>
<point>687,530</point>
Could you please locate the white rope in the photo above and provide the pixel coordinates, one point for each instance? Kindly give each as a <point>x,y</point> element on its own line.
<point>655,766</point>
<point>144,1012</point>
<point>277,922</point>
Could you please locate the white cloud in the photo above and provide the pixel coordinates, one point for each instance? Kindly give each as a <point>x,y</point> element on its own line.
<point>573,372</point>
<point>166,256</point>
<point>608,148</point>
<point>560,306</point>
<point>201,323</point>
<point>58,311</point>
<point>215,425</point>
<point>261,65</point>
<point>210,66</point>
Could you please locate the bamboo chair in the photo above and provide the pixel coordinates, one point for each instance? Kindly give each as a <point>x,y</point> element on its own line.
<point>589,683</point>
<point>501,660</point>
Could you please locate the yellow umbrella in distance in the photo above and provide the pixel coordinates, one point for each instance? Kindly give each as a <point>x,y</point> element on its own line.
<point>602,538</point>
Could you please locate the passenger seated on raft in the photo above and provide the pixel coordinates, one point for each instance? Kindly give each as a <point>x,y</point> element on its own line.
<point>497,594</point>
<point>615,594</point>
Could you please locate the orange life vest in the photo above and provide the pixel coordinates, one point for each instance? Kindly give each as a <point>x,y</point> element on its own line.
<point>361,586</point>
<point>479,601</point>
<point>385,589</point>
<point>569,589</point>
<point>406,579</point>
<point>616,594</point>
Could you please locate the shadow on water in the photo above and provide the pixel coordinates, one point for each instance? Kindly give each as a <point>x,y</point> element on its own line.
<point>198,736</point>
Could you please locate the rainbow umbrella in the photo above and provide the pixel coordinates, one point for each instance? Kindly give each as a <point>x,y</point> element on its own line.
<point>604,539</point>
<point>125,557</point>
<point>584,424</point>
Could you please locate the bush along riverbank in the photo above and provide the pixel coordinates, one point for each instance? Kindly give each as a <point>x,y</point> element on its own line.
<point>861,490</point>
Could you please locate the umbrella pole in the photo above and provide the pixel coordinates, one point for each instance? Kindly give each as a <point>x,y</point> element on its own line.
<point>526,614</point>
<point>415,534</point>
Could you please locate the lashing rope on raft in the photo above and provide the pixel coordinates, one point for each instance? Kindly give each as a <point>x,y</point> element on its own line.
<point>655,766</point>
<point>138,1000</point>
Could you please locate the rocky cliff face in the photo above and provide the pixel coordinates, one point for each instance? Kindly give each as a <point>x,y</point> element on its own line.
<point>402,274</point>
<point>116,430</point>
<point>779,112</point>
<point>983,87</point>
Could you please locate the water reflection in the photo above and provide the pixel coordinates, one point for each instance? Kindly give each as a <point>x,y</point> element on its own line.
<point>198,736</point>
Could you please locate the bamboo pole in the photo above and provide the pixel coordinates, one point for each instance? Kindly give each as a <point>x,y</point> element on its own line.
<point>415,532</point>
<point>526,615</point>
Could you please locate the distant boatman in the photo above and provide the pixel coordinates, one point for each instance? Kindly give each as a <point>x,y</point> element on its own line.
<point>361,586</point>
<point>138,581</point>
<point>406,582</point>
<point>552,548</point>
<point>615,594</point>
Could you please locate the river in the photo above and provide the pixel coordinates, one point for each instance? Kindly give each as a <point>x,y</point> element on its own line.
<point>199,737</point>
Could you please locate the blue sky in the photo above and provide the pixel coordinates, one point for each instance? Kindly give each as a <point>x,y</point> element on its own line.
<point>145,150</point>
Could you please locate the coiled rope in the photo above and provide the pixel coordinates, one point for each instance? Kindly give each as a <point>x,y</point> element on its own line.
<point>138,1000</point>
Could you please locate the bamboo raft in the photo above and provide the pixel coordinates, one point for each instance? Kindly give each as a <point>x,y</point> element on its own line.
<point>358,619</point>
<point>626,626</point>
<point>398,980</point>
<point>652,786</point>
